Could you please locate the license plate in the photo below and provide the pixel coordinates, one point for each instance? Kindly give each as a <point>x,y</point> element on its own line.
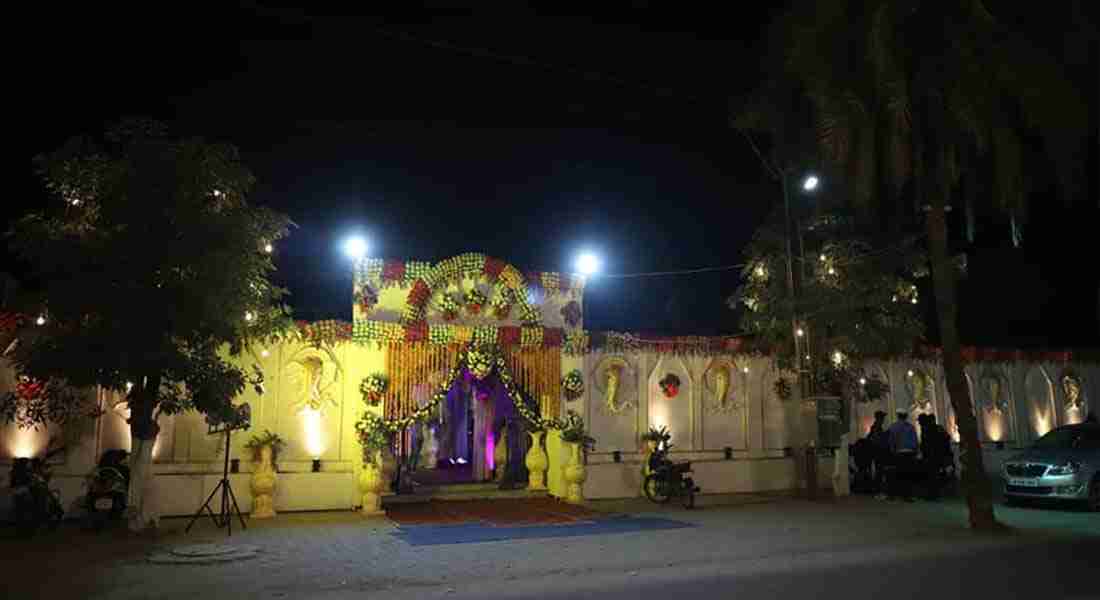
<point>104,504</point>
<point>1024,482</point>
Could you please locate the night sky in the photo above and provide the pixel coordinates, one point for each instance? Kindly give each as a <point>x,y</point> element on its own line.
<point>521,135</point>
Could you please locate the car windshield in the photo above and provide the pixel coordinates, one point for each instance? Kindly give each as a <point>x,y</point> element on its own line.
<point>1059,438</point>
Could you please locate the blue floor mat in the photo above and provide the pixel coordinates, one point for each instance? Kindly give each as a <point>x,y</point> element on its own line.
<point>468,533</point>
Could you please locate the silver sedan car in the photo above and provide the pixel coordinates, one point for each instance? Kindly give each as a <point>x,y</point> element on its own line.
<point>1064,464</point>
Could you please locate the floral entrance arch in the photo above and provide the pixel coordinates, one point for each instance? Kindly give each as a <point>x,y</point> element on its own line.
<point>510,284</point>
<point>481,361</point>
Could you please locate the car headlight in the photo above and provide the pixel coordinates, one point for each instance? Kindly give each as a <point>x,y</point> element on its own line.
<point>1069,468</point>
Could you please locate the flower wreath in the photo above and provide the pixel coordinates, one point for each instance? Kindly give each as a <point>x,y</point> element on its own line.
<point>670,385</point>
<point>573,385</point>
<point>475,299</point>
<point>372,388</point>
<point>449,307</point>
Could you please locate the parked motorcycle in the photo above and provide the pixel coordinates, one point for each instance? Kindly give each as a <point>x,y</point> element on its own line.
<point>108,485</point>
<point>36,505</point>
<point>667,480</point>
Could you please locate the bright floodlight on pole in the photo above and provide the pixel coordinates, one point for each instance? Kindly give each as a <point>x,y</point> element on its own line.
<point>355,247</point>
<point>587,264</point>
<point>809,184</point>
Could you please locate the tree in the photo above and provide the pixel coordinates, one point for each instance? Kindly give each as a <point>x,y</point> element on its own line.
<point>857,298</point>
<point>907,99</point>
<point>148,271</point>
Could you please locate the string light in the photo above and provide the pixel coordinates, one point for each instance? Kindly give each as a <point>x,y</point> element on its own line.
<point>832,271</point>
<point>41,320</point>
<point>217,193</point>
<point>744,369</point>
<point>862,381</point>
<point>910,373</point>
<point>822,257</point>
<point>264,353</point>
<point>248,316</point>
<point>269,248</point>
<point>799,332</point>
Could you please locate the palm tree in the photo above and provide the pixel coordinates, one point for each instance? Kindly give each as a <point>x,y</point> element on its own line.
<point>909,99</point>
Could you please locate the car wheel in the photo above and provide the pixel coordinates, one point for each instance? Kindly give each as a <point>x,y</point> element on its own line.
<point>1094,495</point>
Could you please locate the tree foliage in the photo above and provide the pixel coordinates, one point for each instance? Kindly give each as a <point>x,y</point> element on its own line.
<point>149,269</point>
<point>856,296</point>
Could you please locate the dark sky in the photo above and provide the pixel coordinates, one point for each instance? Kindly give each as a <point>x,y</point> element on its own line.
<point>516,133</point>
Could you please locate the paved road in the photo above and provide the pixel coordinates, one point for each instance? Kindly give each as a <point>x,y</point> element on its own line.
<point>1049,571</point>
<point>777,548</point>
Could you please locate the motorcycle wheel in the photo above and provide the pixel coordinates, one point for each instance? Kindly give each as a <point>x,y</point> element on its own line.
<point>655,489</point>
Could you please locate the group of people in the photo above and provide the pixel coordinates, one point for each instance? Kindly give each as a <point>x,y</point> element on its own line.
<point>896,461</point>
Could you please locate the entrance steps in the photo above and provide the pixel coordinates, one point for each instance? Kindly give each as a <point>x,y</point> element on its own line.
<point>459,491</point>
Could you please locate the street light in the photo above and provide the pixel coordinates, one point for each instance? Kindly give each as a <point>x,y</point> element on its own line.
<point>355,247</point>
<point>587,263</point>
<point>809,184</point>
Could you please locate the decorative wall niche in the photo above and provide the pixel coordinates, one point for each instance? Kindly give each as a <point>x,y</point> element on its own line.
<point>1039,392</point>
<point>725,398</point>
<point>672,411</point>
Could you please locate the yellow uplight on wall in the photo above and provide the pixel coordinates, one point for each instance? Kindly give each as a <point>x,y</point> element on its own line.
<point>27,442</point>
<point>1042,423</point>
<point>995,427</point>
<point>313,430</point>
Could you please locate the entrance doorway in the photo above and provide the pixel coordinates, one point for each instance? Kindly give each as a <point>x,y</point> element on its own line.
<point>478,438</point>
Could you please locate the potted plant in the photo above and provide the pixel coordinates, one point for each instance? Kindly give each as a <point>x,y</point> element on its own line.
<point>374,438</point>
<point>579,442</point>
<point>265,449</point>
<point>654,437</point>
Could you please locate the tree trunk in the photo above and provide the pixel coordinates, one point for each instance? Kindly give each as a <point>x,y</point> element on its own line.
<point>975,481</point>
<point>143,435</point>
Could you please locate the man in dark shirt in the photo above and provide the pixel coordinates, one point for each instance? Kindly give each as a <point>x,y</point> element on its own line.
<point>935,448</point>
<point>880,443</point>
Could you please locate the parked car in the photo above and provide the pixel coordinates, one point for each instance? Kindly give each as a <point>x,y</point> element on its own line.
<point>1064,464</point>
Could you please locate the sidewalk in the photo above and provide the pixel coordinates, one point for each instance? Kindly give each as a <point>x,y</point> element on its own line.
<point>316,552</point>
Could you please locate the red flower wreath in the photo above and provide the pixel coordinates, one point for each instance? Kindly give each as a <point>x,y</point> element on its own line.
<point>670,385</point>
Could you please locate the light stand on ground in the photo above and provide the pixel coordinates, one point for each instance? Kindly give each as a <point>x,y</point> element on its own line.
<point>224,517</point>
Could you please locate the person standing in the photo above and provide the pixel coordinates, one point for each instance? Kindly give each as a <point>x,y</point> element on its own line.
<point>935,449</point>
<point>880,445</point>
<point>903,450</point>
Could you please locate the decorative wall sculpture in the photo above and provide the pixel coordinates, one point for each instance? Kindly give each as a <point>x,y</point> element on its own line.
<point>921,391</point>
<point>719,380</point>
<point>610,374</point>
<point>1071,390</point>
<point>316,374</point>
